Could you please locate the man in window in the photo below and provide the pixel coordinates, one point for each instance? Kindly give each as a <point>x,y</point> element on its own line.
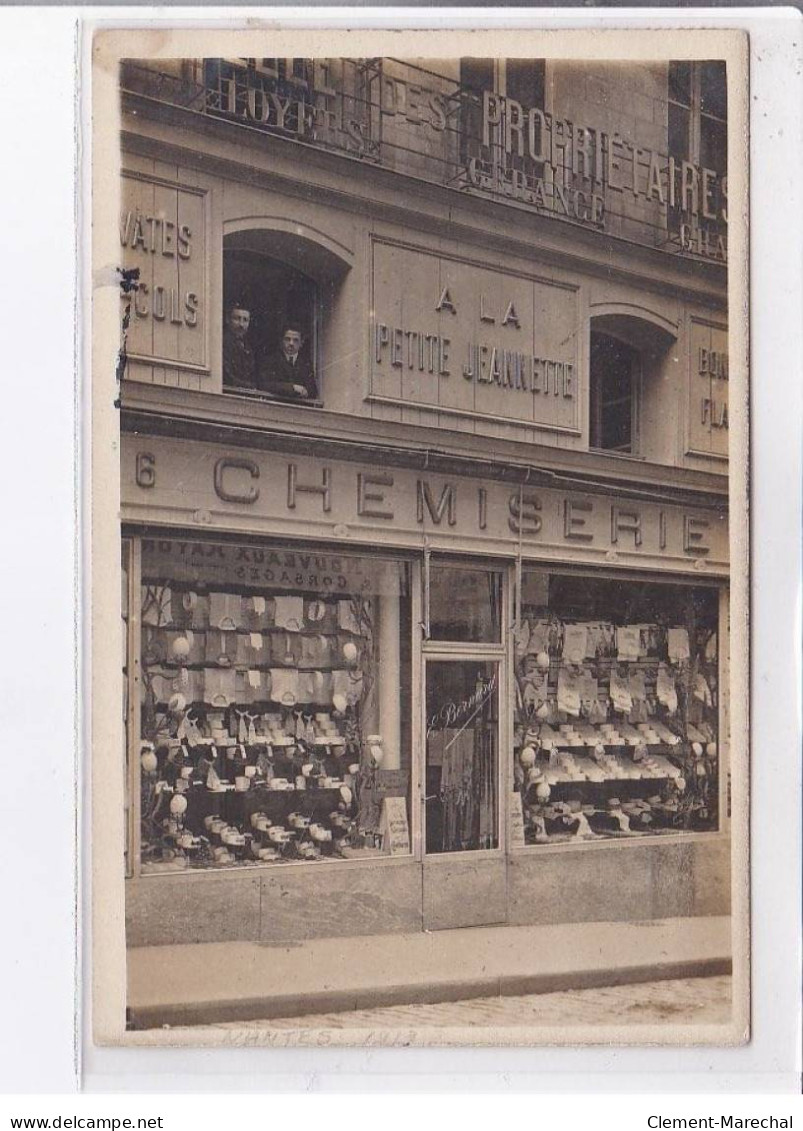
<point>287,373</point>
<point>239,364</point>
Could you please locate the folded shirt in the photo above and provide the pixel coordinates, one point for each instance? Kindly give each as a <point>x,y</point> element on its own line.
<point>225,611</point>
<point>219,686</point>
<point>349,684</point>
<point>628,642</point>
<point>347,618</point>
<point>289,613</point>
<point>284,686</point>
<point>677,644</point>
<point>575,643</point>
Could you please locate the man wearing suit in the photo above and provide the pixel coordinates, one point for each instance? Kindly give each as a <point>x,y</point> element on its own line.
<point>239,363</point>
<point>288,375</point>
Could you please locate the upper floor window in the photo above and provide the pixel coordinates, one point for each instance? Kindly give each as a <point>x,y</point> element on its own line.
<point>508,133</point>
<point>698,128</point>
<point>698,113</point>
<point>269,327</point>
<point>615,373</point>
<point>476,76</point>
<point>634,405</point>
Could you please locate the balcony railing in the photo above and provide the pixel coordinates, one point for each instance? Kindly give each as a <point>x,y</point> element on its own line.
<point>424,123</point>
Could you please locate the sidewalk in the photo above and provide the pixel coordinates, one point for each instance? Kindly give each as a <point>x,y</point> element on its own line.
<point>239,981</point>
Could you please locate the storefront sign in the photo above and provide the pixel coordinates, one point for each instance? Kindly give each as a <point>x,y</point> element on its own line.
<point>304,497</point>
<point>708,390</point>
<point>599,158</point>
<point>703,242</point>
<point>276,567</point>
<point>162,237</point>
<point>393,827</point>
<point>470,341</point>
<point>391,783</point>
<point>507,149</point>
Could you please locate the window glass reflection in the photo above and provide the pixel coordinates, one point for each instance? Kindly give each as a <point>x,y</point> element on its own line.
<point>462,710</point>
<point>465,604</point>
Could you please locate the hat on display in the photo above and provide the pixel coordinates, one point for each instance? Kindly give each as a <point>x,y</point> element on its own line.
<point>527,756</point>
<point>148,760</point>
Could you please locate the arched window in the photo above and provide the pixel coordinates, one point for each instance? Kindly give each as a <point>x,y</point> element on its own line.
<point>629,400</point>
<point>615,374</point>
<point>278,288</point>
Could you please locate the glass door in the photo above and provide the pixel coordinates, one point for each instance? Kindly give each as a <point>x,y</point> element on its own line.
<point>464,728</point>
<point>461,812</point>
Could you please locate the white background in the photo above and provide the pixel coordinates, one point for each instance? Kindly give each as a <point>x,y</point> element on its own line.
<point>39,584</point>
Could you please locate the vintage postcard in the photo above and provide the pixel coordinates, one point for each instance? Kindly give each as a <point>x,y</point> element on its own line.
<point>419,537</point>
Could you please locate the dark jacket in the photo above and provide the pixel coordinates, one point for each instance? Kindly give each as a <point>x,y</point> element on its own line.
<point>278,376</point>
<point>239,363</point>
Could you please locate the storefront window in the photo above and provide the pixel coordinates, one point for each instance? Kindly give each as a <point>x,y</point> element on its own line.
<point>272,710</point>
<point>462,710</point>
<point>616,731</point>
<point>465,604</point>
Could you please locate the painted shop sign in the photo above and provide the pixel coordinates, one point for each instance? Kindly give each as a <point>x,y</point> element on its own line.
<point>266,567</point>
<point>552,164</point>
<point>471,341</point>
<point>209,486</point>
<point>163,237</point>
<point>708,390</point>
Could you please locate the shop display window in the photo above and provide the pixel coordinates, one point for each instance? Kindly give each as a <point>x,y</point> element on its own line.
<point>465,604</point>
<point>616,709</point>
<point>272,720</point>
<point>462,711</point>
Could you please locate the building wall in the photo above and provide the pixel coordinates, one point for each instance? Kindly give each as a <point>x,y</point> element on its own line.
<point>390,249</point>
<point>630,105</point>
<point>608,883</point>
<point>372,270</point>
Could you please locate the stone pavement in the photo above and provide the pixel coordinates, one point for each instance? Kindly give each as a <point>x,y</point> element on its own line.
<point>208,983</point>
<point>689,1001</point>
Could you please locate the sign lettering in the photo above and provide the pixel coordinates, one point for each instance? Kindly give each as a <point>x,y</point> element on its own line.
<point>163,244</point>
<point>453,511</point>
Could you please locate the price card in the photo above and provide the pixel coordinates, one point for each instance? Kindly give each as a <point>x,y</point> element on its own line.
<point>516,821</point>
<point>394,827</point>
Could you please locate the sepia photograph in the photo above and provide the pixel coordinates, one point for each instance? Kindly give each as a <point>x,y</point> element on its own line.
<point>427,721</point>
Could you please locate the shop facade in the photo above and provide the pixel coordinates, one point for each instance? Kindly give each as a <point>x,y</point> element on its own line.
<point>442,640</point>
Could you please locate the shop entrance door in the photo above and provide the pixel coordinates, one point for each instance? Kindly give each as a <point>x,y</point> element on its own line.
<point>464,866</point>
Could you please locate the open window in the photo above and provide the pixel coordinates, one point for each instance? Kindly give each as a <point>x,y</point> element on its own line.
<point>281,303</point>
<point>631,405</point>
<point>279,289</point>
<point>615,376</point>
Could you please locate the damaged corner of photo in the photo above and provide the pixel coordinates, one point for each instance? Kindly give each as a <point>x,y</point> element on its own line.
<point>426,704</point>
